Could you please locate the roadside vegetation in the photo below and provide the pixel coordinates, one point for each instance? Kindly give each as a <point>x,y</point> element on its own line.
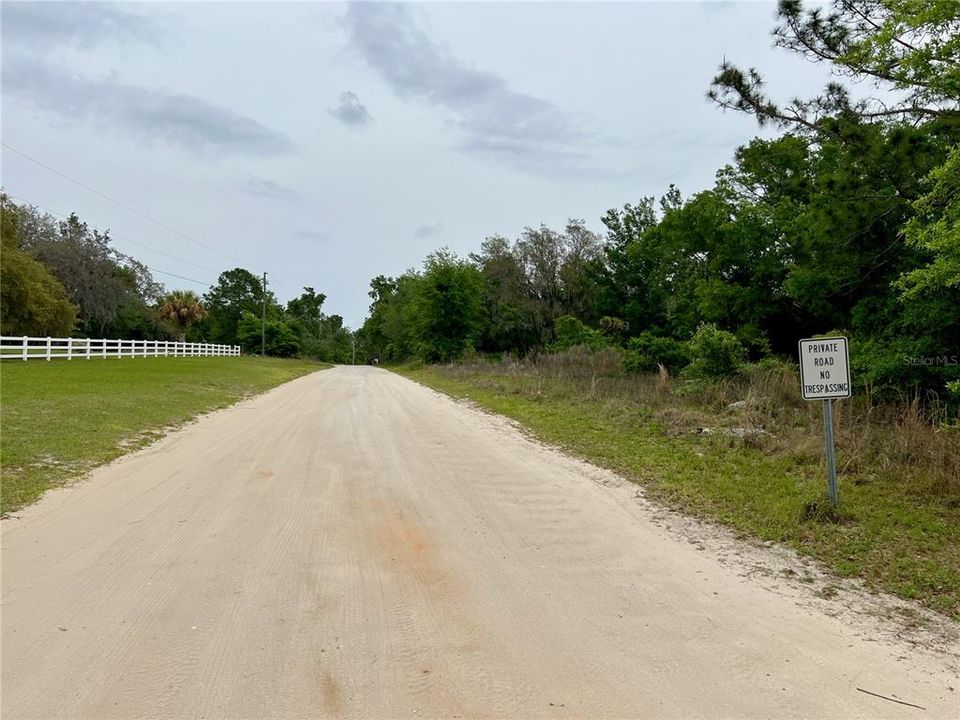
<point>665,347</point>
<point>747,452</point>
<point>60,419</point>
<point>63,278</point>
<point>847,223</point>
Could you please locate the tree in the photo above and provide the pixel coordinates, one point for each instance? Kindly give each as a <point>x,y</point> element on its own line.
<point>389,332</point>
<point>237,291</point>
<point>32,300</point>
<point>553,264</point>
<point>307,306</point>
<point>182,307</point>
<point>336,341</point>
<point>909,49</point>
<point>935,231</point>
<point>97,278</point>
<point>540,252</point>
<point>627,278</point>
<point>509,306</point>
<point>280,339</point>
<point>582,248</point>
<point>304,316</point>
<point>448,307</point>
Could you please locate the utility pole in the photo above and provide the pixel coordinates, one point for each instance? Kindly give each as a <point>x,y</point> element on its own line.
<point>263,320</point>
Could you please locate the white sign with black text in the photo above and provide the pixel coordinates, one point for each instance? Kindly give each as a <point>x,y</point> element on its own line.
<point>825,368</point>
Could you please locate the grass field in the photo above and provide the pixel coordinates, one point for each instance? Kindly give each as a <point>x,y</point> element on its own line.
<point>62,418</point>
<point>899,525</point>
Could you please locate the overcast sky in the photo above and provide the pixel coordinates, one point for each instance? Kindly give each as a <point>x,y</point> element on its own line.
<point>329,143</point>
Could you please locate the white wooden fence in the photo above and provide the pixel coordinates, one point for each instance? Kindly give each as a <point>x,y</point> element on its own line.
<point>48,348</point>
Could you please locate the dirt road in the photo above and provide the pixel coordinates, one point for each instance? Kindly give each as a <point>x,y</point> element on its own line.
<point>352,544</point>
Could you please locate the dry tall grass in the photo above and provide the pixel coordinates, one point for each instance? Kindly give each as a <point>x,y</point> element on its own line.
<point>913,440</point>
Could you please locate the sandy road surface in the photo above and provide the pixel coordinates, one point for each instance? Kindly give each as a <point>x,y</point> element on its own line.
<point>352,544</point>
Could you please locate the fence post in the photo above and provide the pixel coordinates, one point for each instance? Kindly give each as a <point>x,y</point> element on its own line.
<point>26,346</point>
<point>103,347</point>
<point>88,348</point>
<point>69,348</point>
<point>49,347</point>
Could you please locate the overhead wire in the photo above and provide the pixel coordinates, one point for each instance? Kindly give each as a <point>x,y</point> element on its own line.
<point>151,269</point>
<point>115,236</point>
<point>118,202</point>
<point>136,212</point>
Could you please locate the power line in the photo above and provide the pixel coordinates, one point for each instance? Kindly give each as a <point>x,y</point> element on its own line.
<point>118,203</point>
<point>151,269</point>
<point>138,214</point>
<point>181,277</point>
<point>115,236</point>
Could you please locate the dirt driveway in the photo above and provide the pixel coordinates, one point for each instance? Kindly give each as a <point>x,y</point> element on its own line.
<point>352,544</point>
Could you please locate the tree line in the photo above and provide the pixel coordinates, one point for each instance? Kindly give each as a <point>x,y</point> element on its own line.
<point>848,222</point>
<point>63,278</point>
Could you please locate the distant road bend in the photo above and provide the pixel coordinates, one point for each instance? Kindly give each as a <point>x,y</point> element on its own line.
<point>354,545</point>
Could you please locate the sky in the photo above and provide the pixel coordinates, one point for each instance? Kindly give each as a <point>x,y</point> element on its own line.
<point>328,143</point>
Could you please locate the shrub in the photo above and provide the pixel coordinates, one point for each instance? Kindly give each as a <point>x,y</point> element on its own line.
<point>646,351</point>
<point>614,327</point>
<point>715,353</point>
<point>571,332</point>
<point>901,366</point>
<point>754,340</point>
<point>280,340</point>
<point>953,390</point>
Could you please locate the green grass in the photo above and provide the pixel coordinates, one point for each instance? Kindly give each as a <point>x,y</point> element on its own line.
<point>895,530</point>
<point>62,418</point>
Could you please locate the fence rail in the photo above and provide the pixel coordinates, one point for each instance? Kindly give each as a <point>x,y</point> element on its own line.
<point>49,348</point>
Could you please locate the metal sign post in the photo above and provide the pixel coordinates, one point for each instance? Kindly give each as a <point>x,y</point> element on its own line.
<point>831,456</point>
<point>825,375</point>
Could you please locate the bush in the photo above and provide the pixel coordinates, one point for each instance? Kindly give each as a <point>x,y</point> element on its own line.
<point>280,340</point>
<point>646,351</point>
<point>953,388</point>
<point>571,332</point>
<point>902,366</point>
<point>754,340</point>
<point>715,353</point>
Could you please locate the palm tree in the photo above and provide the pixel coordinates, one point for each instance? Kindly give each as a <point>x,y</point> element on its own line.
<point>182,307</point>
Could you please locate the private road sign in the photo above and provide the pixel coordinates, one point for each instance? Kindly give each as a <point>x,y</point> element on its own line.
<point>825,368</point>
